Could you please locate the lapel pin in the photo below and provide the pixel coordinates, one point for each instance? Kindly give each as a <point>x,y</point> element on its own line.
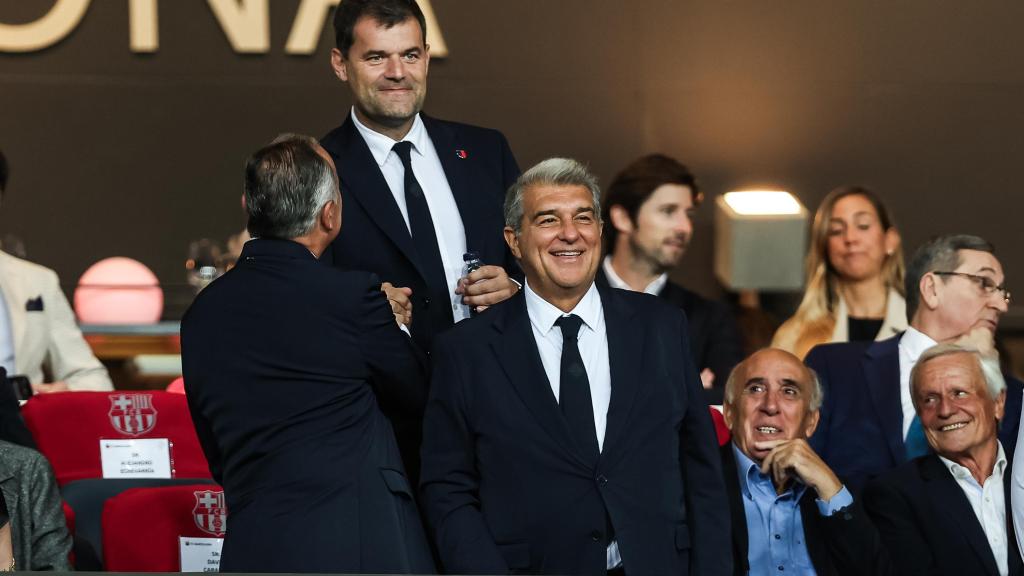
<point>461,154</point>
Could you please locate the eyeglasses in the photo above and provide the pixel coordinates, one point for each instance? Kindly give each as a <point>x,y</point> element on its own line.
<point>987,284</point>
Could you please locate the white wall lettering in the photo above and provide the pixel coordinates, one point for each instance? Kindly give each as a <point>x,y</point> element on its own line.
<point>312,17</point>
<point>143,31</point>
<point>47,31</point>
<point>246,24</point>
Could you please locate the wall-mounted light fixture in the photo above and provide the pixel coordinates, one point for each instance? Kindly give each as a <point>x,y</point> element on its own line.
<point>760,240</point>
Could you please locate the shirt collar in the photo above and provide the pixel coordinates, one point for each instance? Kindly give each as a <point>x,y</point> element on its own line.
<point>615,281</point>
<point>960,472</point>
<point>914,343</point>
<point>750,474</point>
<point>543,314</point>
<point>381,145</point>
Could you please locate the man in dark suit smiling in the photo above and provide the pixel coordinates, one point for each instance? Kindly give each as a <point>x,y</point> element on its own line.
<point>565,431</point>
<point>420,192</point>
<point>948,512</point>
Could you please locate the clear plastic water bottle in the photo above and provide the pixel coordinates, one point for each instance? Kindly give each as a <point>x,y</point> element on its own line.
<point>473,262</point>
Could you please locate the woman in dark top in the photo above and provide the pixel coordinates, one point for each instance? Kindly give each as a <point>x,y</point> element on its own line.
<point>854,275</point>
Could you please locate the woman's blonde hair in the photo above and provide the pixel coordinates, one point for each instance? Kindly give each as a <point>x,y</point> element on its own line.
<point>815,319</point>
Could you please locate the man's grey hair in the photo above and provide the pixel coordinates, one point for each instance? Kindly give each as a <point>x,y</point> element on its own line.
<point>550,172</point>
<point>813,403</point>
<point>287,184</point>
<point>942,254</point>
<point>995,383</point>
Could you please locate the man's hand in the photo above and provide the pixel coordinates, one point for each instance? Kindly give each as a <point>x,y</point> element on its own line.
<point>401,305</point>
<point>485,286</point>
<point>795,459</point>
<point>707,378</point>
<point>51,387</point>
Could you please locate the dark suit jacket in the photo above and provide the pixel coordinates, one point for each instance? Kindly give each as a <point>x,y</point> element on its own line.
<point>506,489</point>
<point>714,338</point>
<point>928,525</point>
<point>842,544</point>
<point>286,362</point>
<point>374,236</point>
<point>12,426</point>
<point>861,429</point>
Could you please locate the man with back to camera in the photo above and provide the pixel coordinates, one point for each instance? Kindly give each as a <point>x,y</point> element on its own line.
<point>38,328</point>
<point>955,286</point>
<point>420,192</point>
<point>648,212</point>
<point>565,431</point>
<point>948,512</point>
<point>790,513</point>
<point>287,364</point>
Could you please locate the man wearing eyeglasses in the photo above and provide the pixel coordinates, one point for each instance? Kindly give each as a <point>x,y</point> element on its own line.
<point>955,289</point>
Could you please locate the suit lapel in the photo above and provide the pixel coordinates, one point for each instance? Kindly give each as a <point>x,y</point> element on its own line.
<point>516,350</point>
<point>15,299</point>
<point>949,500</point>
<point>362,181</point>
<point>882,369</point>
<point>455,167</point>
<point>625,362</point>
<point>1014,562</point>
<point>740,537</point>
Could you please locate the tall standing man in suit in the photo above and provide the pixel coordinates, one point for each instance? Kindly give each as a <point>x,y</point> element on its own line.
<point>565,431</point>
<point>948,512</point>
<point>648,224</point>
<point>287,364</point>
<point>420,192</point>
<point>38,329</point>
<point>954,286</point>
<point>790,512</point>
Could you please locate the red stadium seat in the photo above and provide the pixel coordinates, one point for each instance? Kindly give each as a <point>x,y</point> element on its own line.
<point>141,526</point>
<point>720,428</point>
<point>69,519</point>
<point>177,386</point>
<point>68,426</point>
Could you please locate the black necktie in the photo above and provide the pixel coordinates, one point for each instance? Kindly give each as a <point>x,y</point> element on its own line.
<point>574,394</point>
<point>421,226</point>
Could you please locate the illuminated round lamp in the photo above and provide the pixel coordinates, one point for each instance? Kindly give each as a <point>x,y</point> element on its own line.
<point>118,291</point>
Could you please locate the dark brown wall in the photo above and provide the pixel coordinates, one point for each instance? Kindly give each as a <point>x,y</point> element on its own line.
<point>115,153</point>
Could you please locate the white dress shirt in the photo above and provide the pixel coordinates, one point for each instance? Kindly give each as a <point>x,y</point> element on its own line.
<point>615,281</point>
<point>989,504</point>
<point>912,344</point>
<point>426,165</point>
<point>593,344</point>
<point>1017,493</point>
<point>6,338</point>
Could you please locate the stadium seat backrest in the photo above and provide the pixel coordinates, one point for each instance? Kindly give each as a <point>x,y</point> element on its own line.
<point>141,526</point>
<point>68,426</point>
<point>721,430</point>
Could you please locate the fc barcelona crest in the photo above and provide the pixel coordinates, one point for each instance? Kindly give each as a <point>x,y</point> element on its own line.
<point>132,414</point>
<point>210,513</point>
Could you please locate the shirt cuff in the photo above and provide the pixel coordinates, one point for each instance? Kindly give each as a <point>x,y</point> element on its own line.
<point>841,500</point>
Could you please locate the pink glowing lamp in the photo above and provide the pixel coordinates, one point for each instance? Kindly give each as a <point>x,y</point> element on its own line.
<point>118,290</point>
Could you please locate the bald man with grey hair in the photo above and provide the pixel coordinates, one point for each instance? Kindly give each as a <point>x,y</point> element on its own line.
<point>790,512</point>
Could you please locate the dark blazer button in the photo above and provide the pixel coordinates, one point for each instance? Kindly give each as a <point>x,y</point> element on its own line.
<point>601,480</point>
<point>426,302</point>
<point>596,535</point>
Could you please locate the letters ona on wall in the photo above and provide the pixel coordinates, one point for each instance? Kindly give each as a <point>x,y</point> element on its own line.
<point>246,23</point>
